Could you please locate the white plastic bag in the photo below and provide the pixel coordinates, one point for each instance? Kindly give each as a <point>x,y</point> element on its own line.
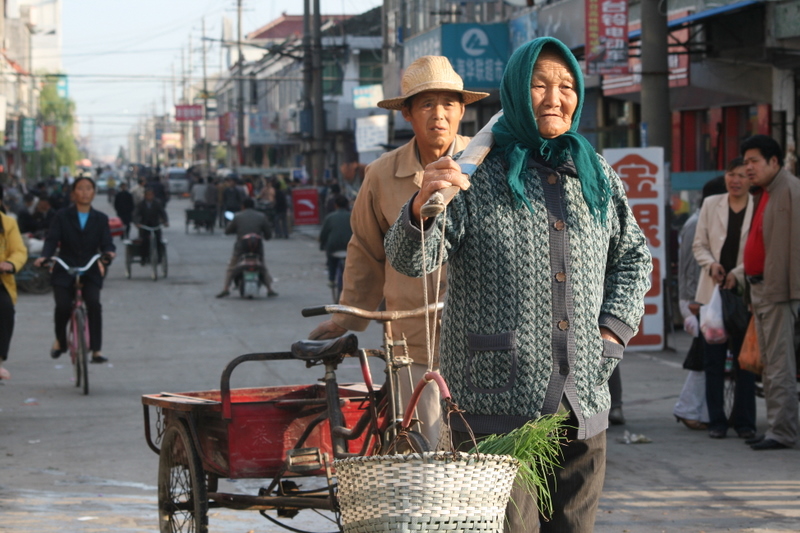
<point>711,324</point>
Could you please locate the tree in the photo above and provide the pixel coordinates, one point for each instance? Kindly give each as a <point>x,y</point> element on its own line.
<point>53,109</point>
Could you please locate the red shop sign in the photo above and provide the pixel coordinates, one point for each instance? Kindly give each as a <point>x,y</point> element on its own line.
<point>305,204</point>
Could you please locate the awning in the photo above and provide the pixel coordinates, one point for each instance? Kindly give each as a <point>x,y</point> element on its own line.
<point>693,19</point>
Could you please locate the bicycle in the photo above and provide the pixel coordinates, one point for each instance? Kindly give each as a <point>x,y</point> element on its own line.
<point>285,434</point>
<point>133,250</point>
<point>78,325</point>
<point>338,282</point>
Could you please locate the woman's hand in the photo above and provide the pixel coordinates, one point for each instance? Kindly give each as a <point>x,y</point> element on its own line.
<point>717,272</point>
<point>39,261</point>
<point>609,335</point>
<point>730,281</point>
<point>5,266</point>
<point>440,174</point>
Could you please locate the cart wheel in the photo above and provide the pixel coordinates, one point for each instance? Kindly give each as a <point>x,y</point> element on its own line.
<point>164,265</point>
<point>128,261</point>
<point>154,257</point>
<point>182,496</point>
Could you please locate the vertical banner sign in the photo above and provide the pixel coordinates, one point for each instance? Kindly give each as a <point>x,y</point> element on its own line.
<point>28,143</point>
<point>642,173</point>
<point>50,135</point>
<point>305,205</point>
<point>607,36</point>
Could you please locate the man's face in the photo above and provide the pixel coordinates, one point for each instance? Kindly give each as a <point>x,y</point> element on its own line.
<point>553,95</point>
<point>43,206</point>
<point>149,195</point>
<point>434,117</point>
<point>736,182</point>
<point>760,171</point>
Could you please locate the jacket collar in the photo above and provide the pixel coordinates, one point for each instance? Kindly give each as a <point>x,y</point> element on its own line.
<point>779,178</point>
<point>73,216</point>
<point>408,164</point>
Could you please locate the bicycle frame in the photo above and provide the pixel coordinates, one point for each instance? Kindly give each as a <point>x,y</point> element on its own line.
<point>78,305</point>
<point>394,363</point>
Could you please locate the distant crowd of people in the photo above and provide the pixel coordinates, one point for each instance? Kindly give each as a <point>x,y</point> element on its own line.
<point>743,241</point>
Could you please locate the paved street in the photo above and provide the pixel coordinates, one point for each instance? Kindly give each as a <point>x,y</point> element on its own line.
<point>71,463</point>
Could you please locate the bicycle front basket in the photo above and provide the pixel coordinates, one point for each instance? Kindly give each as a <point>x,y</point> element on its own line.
<point>425,492</point>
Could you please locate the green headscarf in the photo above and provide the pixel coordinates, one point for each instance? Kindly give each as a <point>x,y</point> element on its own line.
<point>517,133</point>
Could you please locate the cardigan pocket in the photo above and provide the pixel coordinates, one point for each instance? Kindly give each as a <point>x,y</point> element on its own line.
<point>612,355</point>
<point>492,363</point>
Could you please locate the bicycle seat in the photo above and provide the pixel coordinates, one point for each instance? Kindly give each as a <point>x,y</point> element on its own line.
<point>325,350</point>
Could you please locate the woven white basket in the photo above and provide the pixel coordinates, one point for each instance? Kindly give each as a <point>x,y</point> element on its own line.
<point>433,491</point>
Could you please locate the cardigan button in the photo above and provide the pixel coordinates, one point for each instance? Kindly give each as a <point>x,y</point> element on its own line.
<point>563,370</point>
<point>563,325</point>
<point>561,277</point>
<point>552,179</point>
<point>559,225</point>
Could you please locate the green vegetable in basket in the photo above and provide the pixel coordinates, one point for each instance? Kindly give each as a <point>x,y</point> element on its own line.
<point>536,446</point>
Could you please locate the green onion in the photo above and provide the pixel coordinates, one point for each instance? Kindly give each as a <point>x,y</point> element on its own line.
<point>537,447</point>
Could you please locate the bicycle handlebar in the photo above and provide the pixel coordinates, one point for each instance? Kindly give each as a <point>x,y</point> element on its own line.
<point>75,270</point>
<point>379,316</point>
<point>156,228</point>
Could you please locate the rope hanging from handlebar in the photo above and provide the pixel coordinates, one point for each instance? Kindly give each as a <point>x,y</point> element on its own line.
<point>430,324</point>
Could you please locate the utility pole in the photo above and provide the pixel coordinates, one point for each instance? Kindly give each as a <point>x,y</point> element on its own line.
<point>319,106</point>
<point>240,79</point>
<point>655,76</point>
<point>190,101</point>
<point>307,85</point>
<point>656,120</point>
<point>205,100</point>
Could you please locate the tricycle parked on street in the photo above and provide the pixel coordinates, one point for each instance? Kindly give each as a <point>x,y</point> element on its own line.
<point>288,436</point>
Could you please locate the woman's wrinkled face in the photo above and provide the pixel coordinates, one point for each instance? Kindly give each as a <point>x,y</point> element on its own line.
<point>553,95</point>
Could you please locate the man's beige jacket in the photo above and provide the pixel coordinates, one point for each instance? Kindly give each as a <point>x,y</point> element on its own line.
<point>389,183</point>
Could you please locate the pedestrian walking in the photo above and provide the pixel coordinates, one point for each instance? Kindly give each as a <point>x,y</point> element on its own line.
<point>13,255</point>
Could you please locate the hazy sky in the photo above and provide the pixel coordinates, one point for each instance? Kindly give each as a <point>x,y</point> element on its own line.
<point>142,39</point>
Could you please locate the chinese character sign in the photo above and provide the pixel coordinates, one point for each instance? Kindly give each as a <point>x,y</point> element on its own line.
<point>478,52</point>
<point>188,112</point>
<point>642,174</point>
<point>607,36</point>
<point>28,143</point>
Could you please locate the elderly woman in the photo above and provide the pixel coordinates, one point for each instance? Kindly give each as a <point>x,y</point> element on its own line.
<point>547,274</point>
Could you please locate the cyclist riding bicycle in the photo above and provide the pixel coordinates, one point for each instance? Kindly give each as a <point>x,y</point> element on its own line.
<point>150,212</point>
<point>79,232</point>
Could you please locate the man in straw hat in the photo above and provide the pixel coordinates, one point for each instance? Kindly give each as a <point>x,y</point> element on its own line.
<point>432,100</point>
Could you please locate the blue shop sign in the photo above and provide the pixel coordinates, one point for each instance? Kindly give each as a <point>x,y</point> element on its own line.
<point>478,52</point>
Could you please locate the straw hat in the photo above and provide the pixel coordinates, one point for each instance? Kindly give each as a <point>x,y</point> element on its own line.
<point>430,73</point>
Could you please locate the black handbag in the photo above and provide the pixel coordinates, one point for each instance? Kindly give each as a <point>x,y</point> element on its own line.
<point>694,357</point>
<point>734,313</point>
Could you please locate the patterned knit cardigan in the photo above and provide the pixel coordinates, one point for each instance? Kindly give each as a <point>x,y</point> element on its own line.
<point>519,332</point>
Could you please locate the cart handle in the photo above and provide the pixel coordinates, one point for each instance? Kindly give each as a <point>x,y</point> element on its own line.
<point>225,380</point>
<point>380,316</point>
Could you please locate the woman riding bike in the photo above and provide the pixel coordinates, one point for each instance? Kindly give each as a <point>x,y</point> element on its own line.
<point>79,231</point>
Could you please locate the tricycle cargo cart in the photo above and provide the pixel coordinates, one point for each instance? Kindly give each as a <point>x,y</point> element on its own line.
<point>287,435</point>
<point>155,257</point>
<point>203,217</point>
